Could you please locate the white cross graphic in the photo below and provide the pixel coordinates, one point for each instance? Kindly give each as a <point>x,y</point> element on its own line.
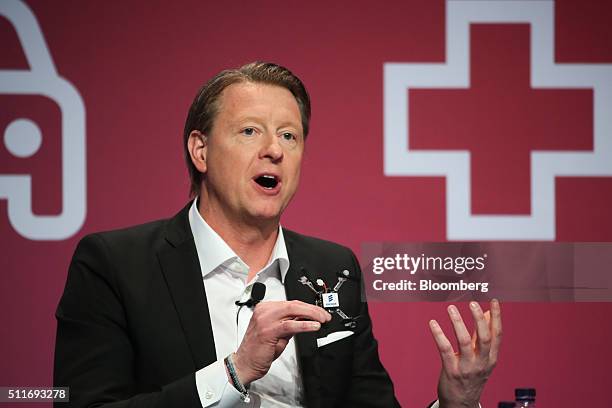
<point>399,160</point>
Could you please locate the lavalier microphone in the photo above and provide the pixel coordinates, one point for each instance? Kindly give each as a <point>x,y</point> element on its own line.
<point>257,294</point>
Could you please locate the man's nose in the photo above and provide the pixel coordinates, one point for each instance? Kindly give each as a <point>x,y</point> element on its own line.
<point>271,148</point>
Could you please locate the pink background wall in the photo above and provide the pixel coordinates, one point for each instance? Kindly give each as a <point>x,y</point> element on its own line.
<point>137,66</point>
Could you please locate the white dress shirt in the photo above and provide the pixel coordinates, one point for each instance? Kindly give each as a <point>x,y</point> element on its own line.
<point>224,275</point>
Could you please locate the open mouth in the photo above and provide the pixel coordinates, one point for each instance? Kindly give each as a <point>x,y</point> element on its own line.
<point>267,181</point>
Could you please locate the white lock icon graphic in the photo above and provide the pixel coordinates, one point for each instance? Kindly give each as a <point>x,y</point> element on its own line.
<point>22,137</point>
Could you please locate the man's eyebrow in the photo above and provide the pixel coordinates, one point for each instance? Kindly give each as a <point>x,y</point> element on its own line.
<point>248,118</point>
<point>251,118</point>
<point>297,125</point>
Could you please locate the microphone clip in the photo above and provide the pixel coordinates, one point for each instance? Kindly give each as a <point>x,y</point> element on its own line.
<point>258,291</point>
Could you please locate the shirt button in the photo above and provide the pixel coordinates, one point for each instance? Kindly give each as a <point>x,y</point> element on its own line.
<point>209,394</point>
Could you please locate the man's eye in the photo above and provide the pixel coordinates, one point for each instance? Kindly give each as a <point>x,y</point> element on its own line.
<point>288,136</point>
<point>248,131</point>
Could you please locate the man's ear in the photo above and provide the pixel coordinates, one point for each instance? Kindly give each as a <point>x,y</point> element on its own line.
<point>197,145</point>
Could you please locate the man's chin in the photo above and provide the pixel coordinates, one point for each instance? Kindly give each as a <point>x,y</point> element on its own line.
<point>267,210</point>
<point>263,216</point>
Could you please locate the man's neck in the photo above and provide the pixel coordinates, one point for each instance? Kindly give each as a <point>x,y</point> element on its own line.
<point>252,242</point>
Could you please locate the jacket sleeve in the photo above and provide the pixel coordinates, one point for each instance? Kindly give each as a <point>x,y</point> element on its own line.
<point>94,356</point>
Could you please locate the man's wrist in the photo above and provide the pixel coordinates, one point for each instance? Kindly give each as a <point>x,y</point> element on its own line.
<point>234,378</point>
<point>245,375</point>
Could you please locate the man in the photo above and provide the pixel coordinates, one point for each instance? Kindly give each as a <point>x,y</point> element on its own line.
<point>148,316</point>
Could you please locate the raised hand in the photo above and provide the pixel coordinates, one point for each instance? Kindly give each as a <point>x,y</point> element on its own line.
<point>465,372</point>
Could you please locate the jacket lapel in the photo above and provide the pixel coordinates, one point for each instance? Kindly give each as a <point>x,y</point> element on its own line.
<point>306,343</point>
<point>181,269</point>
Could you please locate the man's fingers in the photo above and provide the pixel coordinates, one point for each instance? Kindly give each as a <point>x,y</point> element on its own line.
<point>288,328</point>
<point>496,329</point>
<point>487,316</point>
<point>280,346</point>
<point>463,336</point>
<point>483,343</point>
<point>294,309</point>
<point>447,354</point>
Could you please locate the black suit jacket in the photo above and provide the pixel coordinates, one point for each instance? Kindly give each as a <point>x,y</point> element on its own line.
<point>134,325</point>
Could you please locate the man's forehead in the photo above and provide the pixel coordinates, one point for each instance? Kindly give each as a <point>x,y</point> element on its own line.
<point>248,95</point>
